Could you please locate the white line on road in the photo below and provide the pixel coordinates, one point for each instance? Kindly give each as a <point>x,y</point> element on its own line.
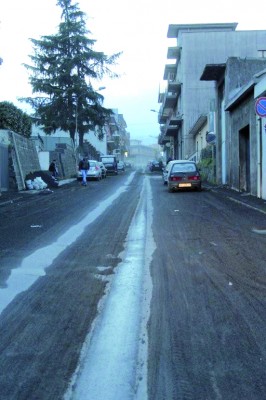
<point>113,360</point>
<point>34,265</point>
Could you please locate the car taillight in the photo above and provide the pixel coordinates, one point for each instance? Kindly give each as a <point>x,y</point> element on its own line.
<point>194,178</point>
<point>96,167</point>
<point>175,178</point>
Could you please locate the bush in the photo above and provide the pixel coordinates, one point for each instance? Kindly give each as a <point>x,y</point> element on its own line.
<point>207,164</point>
<point>11,117</point>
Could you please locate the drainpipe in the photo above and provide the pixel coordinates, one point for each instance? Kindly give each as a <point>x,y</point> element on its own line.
<point>239,179</point>
<point>259,156</point>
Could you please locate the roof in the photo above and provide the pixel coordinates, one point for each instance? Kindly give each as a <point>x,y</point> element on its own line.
<point>201,121</point>
<point>173,30</point>
<point>243,93</point>
<point>213,72</point>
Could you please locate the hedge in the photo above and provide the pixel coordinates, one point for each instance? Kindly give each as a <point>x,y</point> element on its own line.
<point>11,117</point>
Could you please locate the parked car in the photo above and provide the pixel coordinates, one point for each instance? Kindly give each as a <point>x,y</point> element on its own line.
<point>94,172</point>
<point>165,171</point>
<point>110,163</point>
<point>156,166</point>
<point>128,164</point>
<point>104,170</point>
<point>183,174</point>
<point>121,166</point>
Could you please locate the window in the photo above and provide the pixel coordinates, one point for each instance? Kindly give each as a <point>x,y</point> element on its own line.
<point>262,53</point>
<point>184,167</point>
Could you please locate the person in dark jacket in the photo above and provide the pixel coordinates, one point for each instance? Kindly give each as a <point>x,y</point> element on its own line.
<point>169,159</point>
<point>53,169</point>
<point>83,167</point>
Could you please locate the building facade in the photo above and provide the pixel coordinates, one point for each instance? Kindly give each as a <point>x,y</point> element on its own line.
<point>240,145</point>
<point>187,97</point>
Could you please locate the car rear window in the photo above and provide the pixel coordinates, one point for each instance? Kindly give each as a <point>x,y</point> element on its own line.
<point>92,163</point>
<point>108,160</point>
<point>184,167</point>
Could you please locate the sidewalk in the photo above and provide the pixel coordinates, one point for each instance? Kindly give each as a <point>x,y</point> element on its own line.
<point>239,197</point>
<point>12,196</point>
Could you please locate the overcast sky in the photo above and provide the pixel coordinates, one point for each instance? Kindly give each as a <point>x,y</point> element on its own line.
<point>137,28</point>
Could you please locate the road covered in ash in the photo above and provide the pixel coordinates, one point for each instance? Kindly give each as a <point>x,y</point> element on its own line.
<point>121,290</point>
<point>62,268</point>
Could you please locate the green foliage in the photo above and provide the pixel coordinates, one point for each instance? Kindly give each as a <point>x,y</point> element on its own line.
<point>11,117</point>
<point>207,164</point>
<point>64,66</point>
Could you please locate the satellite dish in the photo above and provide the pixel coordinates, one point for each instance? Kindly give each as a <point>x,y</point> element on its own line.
<point>211,137</point>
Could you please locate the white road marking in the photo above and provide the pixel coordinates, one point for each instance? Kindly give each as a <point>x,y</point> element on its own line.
<point>33,266</point>
<point>113,364</point>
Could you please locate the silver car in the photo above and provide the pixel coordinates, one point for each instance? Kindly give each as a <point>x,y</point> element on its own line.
<point>165,171</point>
<point>183,174</point>
<point>94,172</point>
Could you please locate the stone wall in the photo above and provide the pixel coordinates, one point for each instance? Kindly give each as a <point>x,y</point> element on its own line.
<point>23,159</point>
<point>65,159</point>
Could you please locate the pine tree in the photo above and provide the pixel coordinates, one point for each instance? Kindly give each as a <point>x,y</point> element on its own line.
<point>64,68</point>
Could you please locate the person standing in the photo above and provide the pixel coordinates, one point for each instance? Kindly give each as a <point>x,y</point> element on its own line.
<point>83,167</point>
<point>53,169</point>
<point>169,159</point>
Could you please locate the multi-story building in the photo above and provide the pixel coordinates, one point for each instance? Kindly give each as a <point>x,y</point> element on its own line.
<point>140,155</point>
<point>187,98</point>
<point>118,138</point>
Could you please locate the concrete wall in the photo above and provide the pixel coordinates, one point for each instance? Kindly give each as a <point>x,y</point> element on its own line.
<point>239,72</point>
<point>100,145</point>
<point>241,128</point>
<point>243,118</point>
<point>44,158</point>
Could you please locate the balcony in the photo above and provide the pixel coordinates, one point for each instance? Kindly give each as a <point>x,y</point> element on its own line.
<point>176,120</point>
<point>174,53</point>
<point>163,139</point>
<point>170,100</point>
<point>170,72</point>
<point>173,125</point>
<point>174,87</point>
<point>171,130</point>
<point>163,115</point>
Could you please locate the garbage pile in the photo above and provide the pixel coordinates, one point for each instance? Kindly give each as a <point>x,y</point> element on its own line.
<point>36,184</point>
<point>40,180</point>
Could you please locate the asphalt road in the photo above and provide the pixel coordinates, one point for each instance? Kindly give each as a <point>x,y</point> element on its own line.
<point>207,323</point>
<point>206,319</point>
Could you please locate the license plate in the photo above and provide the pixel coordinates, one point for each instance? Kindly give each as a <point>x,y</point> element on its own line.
<point>184,185</point>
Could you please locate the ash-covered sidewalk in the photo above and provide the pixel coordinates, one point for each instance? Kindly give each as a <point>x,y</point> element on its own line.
<point>243,198</point>
<point>12,196</point>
